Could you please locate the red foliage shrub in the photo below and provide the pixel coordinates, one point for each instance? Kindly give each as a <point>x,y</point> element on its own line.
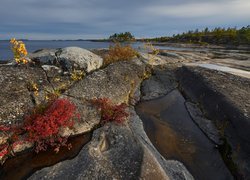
<point>110,112</point>
<point>3,150</point>
<point>43,128</point>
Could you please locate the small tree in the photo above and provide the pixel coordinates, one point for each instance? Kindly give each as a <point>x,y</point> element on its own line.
<point>121,37</point>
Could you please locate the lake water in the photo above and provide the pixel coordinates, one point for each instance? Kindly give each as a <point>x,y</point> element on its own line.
<point>5,51</point>
<point>6,54</point>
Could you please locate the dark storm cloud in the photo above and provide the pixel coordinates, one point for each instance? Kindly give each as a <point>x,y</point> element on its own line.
<point>74,19</point>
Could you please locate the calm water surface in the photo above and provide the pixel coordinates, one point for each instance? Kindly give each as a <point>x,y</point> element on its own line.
<point>6,54</point>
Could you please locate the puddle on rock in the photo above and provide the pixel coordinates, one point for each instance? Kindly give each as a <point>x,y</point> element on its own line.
<point>172,131</point>
<point>23,165</point>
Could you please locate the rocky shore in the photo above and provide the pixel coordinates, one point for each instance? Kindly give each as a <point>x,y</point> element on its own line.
<point>216,102</point>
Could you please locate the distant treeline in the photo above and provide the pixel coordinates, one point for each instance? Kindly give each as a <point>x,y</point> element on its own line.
<point>231,36</point>
<point>122,37</point>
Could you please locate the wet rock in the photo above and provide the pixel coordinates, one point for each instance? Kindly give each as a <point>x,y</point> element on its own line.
<point>174,169</point>
<point>204,124</point>
<point>78,58</point>
<point>159,84</point>
<point>117,82</point>
<point>176,136</point>
<point>215,93</point>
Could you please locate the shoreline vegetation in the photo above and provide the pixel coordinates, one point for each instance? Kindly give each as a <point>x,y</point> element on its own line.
<point>206,36</point>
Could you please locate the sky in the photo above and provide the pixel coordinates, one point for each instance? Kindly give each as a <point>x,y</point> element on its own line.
<point>94,19</point>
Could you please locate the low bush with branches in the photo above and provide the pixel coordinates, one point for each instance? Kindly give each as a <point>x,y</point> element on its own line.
<point>41,127</point>
<point>109,111</point>
<point>119,52</point>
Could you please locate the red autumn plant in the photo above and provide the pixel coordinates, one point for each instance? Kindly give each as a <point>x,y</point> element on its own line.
<point>42,127</point>
<point>109,111</point>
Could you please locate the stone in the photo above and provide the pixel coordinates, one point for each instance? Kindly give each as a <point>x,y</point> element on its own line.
<point>204,124</point>
<point>159,84</point>
<point>151,59</point>
<point>88,117</point>
<point>71,58</point>
<point>125,157</point>
<point>116,82</point>
<point>44,56</point>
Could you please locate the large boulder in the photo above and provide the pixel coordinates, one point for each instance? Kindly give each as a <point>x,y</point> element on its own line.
<point>78,58</point>
<point>68,59</point>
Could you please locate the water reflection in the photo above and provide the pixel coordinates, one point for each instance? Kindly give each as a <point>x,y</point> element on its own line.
<point>174,134</point>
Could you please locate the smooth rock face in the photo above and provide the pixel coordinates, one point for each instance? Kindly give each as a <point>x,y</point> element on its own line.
<point>152,59</point>
<point>88,117</point>
<point>159,84</point>
<point>117,82</point>
<point>174,169</point>
<point>115,152</point>
<point>204,124</point>
<point>44,56</point>
<point>222,97</point>
<point>78,58</point>
<point>68,58</point>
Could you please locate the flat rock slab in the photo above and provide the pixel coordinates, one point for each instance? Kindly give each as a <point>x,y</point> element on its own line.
<point>159,84</point>
<point>14,89</point>
<point>117,82</point>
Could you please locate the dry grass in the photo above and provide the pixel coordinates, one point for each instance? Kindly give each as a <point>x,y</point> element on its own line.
<point>119,53</point>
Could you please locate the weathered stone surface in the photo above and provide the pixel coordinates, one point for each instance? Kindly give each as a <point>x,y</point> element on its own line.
<point>78,58</point>
<point>44,56</point>
<point>204,124</point>
<point>117,82</point>
<point>171,55</point>
<point>159,84</point>
<point>68,58</point>
<point>115,152</point>
<point>222,97</point>
<point>16,97</point>
<point>153,60</point>
<point>87,117</point>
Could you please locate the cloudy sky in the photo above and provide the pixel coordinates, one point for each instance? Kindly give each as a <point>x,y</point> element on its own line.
<point>86,19</point>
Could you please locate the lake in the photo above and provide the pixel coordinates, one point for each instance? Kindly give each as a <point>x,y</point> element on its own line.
<point>5,51</point>
<point>6,54</point>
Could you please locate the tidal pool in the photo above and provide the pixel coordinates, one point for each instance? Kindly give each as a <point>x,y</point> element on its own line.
<point>175,135</point>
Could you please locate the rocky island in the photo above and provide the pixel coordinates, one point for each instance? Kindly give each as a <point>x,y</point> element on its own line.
<point>174,114</point>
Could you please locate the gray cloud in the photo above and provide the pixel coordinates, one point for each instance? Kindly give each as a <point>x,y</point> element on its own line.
<point>74,19</point>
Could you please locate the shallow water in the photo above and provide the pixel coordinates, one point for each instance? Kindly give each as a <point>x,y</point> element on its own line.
<point>172,131</point>
<point>23,165</point>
